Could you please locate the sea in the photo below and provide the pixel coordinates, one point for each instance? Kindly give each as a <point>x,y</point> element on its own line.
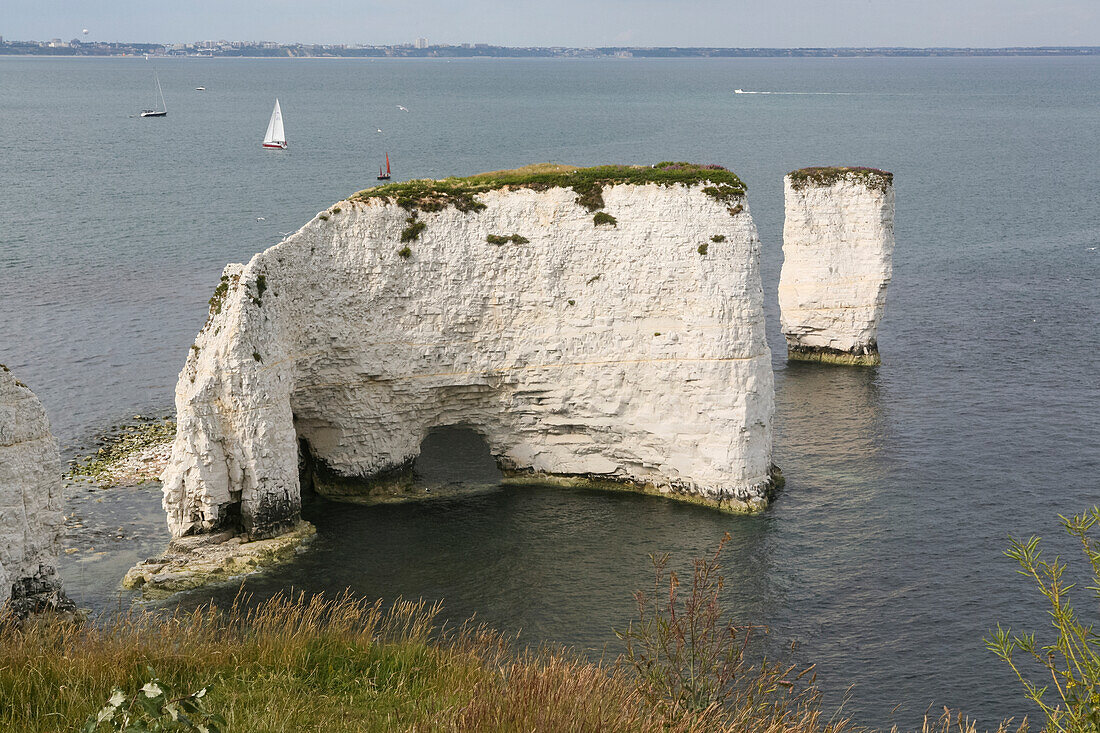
<point>882,561</point>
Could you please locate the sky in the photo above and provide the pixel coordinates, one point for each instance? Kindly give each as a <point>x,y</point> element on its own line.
<point>585,23</point>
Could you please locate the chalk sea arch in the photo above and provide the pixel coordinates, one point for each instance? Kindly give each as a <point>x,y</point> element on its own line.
<point>626,348</point>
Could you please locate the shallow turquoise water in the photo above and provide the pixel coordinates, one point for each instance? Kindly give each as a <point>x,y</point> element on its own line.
<point>882,558</point>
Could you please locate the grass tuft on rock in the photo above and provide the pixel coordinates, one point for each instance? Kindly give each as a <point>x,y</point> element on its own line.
<point>506,238</point>
<point>413,227</point>
<point>602,217</point>
<point>218,298</point>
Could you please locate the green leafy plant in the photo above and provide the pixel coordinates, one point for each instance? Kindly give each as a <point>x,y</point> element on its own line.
<point>1068,667</point>
<point>323,217</point>
<point>688,657</point>
<point>155,707</point>
<point>602,217</point>
<point>718,238</point>
<point>702,248</point>
<point>405,252</point>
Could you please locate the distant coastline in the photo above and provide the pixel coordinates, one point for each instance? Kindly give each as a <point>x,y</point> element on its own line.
<point>216,49</point>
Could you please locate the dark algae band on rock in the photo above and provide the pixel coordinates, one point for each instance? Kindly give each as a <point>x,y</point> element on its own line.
<point>435,195</point>
<point>828,175</point>
<point>866,356</point>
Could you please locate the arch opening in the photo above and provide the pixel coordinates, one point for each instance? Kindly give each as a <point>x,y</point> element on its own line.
<point>452,459</point>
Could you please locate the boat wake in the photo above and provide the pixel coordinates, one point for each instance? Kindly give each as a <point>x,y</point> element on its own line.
<point>825,94</point>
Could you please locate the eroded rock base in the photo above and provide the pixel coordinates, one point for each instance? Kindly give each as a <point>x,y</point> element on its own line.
<point>731,504</point>
<point>206,559</point>
<point>868,356</point>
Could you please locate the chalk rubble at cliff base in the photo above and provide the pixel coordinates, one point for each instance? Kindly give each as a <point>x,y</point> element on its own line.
<point>838,243</point>
<point>30,504</point>
<point>614,349</point>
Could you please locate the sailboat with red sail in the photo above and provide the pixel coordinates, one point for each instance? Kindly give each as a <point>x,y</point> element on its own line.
<point>384,175</point>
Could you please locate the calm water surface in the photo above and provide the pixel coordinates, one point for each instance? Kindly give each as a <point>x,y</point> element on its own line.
<point>882,559</point>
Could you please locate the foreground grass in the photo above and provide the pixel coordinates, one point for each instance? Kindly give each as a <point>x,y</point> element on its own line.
<point>300,664</point>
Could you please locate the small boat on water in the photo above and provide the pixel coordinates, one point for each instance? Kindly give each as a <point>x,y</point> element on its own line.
<point>200,89</point>
<point>275,138</point>
<point>738,91</point>
<point>384,175</point>
<point>161,111</point>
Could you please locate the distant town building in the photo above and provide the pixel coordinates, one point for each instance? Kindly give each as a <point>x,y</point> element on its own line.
<point>421,43</point>
<point>57,43</point>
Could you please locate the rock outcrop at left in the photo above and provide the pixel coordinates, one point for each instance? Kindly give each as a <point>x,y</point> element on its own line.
<point>599,325</point>
<point>30,503</point>
<point>838,245</point>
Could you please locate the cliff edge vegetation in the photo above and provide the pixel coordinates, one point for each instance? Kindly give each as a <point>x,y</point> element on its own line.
<point>434,195</point>
<point>828,175</point>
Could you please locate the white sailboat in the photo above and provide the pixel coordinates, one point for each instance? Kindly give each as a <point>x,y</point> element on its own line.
<point>161,111</point>
<point>275,137</point>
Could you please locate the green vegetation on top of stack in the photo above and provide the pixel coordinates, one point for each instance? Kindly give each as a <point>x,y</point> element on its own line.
<point>828,175</point>
<point>434,195</point>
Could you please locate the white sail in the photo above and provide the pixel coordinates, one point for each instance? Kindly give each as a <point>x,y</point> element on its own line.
<point>275,132</point>
<point>163,104</point>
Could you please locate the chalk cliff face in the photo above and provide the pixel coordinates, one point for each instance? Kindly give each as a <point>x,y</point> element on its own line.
<point>30,501</point>
<point>630,351</point>
<point>838,241</point>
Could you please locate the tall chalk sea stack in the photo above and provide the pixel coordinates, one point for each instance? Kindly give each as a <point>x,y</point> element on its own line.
<point>600,325</point>
<point>838,242</point>
<point>30,503</point>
